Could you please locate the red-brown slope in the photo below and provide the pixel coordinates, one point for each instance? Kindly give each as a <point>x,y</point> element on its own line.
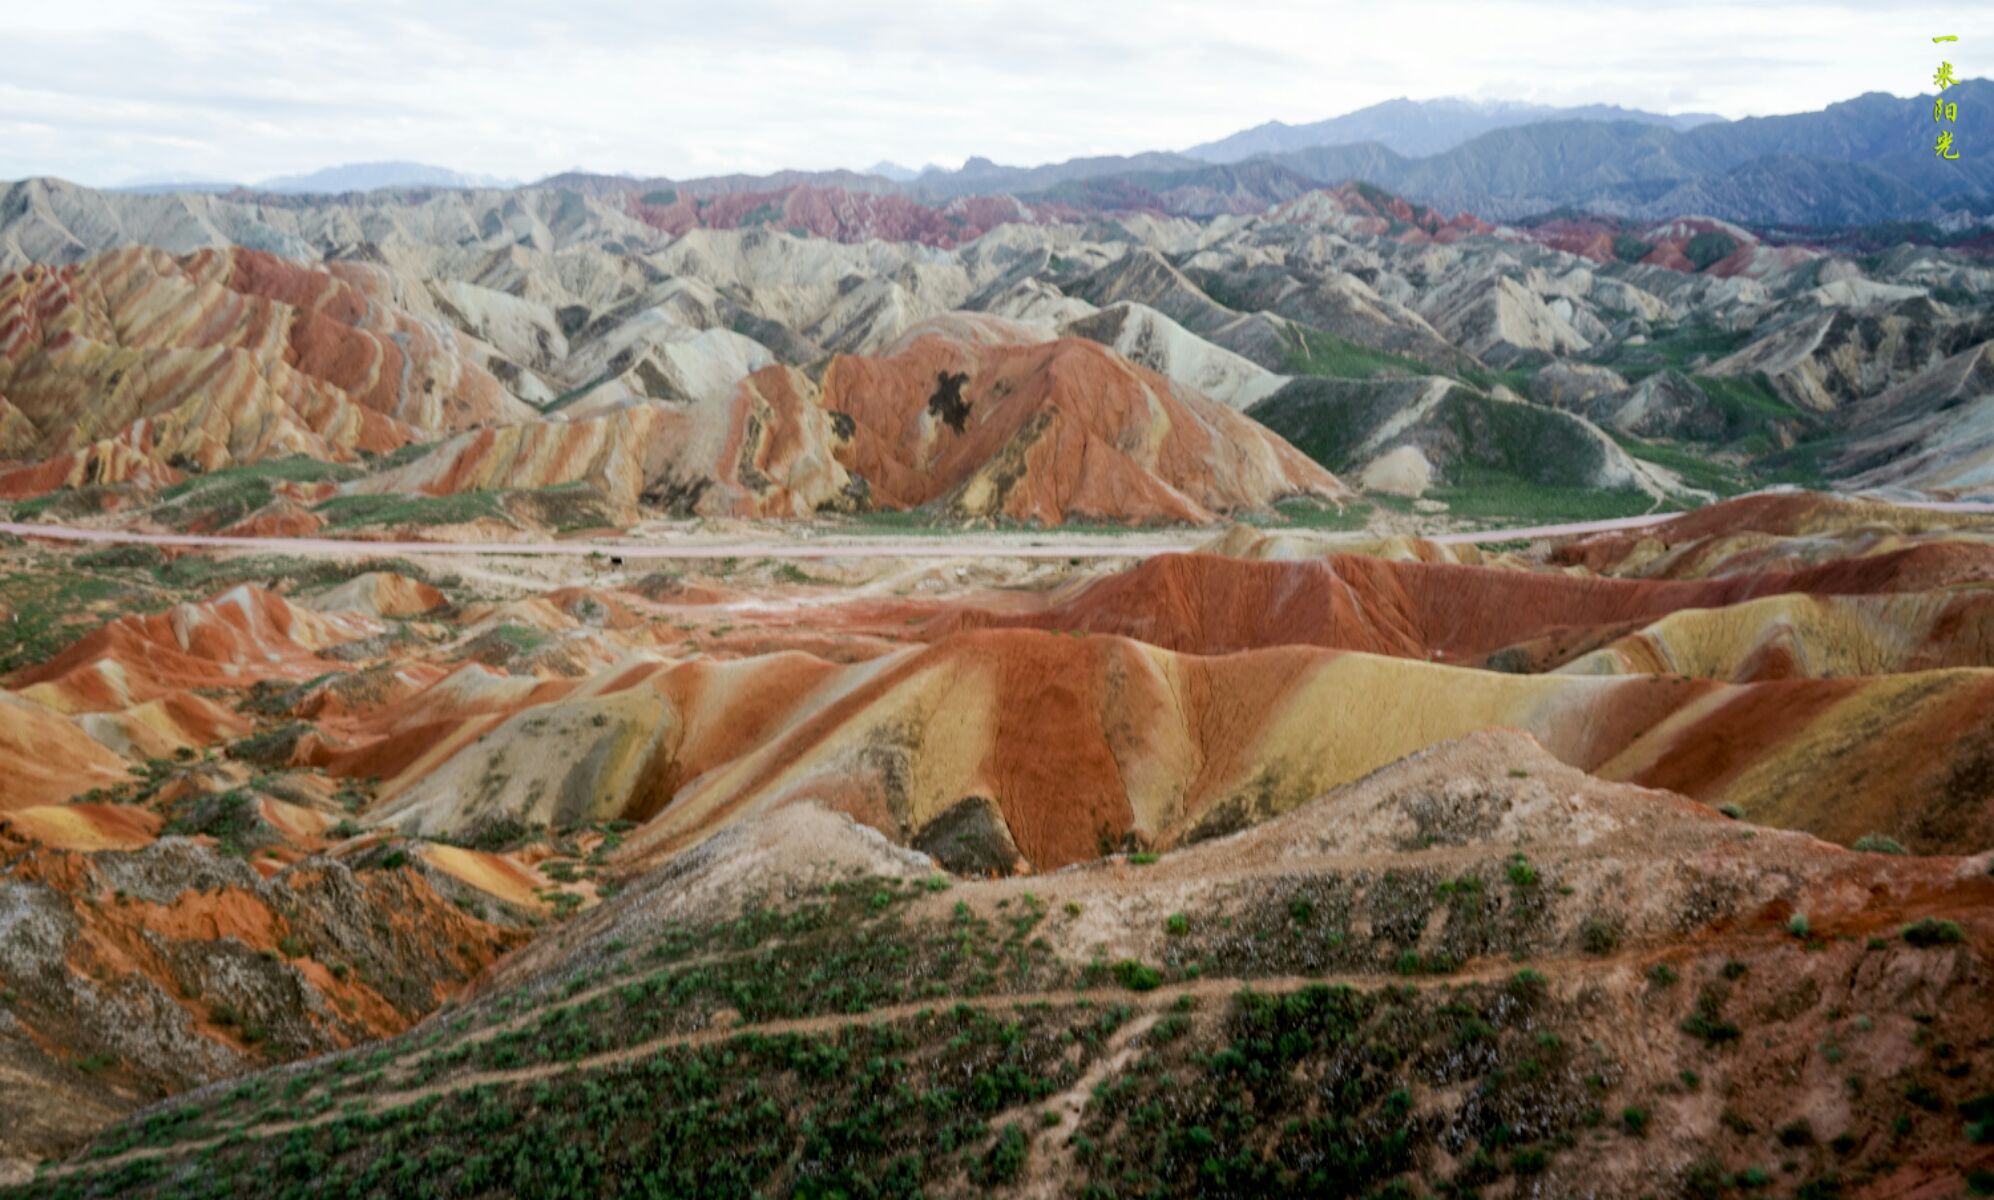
<point>1207,604</point>
<point>175,965</point>
<point>1053,431</point>
<point>232,640</point>
<point>1891,547</point>
<point>136,364</point>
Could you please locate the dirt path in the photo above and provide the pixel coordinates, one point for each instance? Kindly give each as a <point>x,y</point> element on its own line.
<point>884,546</point>
<point>1148,1005</point>
<point>1051,544</point>
<point>1050,1170</point>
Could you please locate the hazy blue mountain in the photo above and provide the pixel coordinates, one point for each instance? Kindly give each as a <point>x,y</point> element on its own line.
<point>1421,127</point>
<point>174,183</point>
<point>365,177</point>
<point>596,183</point>
<point>982,175</point>
<point>891,170</point>
<point>1858,161</point>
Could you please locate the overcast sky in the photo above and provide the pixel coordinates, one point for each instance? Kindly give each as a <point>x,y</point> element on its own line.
<point>107,91</point>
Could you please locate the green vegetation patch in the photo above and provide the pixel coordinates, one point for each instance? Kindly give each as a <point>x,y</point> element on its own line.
<point>895,1109</point>
<point>222,498</point>
<point>47,609</point>
<point>1706,250</point>
<point>1498,496</point>
<point>1303,513</point>
<point>1316,352</point>
<point>1699,471</point>
<point>296,469</point>
<point>1306,1094</point>
<point>234,819</point>
<point>1630,249</point>
<point>1682,347</point>
<point>350,512</point>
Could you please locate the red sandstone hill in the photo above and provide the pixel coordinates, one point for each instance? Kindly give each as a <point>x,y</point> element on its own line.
<point>137,365</point>
<point>1052,431</point>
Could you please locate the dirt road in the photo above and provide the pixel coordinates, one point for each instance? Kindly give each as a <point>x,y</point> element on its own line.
<point>1141,544</point>
<point>1049,545</point>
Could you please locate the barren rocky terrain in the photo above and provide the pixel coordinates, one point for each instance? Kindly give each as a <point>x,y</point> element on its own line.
<point>1298,860</point>
<point>586,689</point>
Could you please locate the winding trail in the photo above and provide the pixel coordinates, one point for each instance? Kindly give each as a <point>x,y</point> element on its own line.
<point>1145,544</point>
<point>1146,1005</point>
<point>1133,545</point>
<point>1050,544</point>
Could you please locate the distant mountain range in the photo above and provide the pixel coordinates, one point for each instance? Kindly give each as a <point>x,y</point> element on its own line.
<point>1859,161</point>
<point>1421,127</point>
<point>893,171</point>
<point>1862,161</point>
<point>352,177</point>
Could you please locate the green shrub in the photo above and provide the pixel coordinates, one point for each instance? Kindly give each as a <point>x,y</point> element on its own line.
<point>1521,873</point>
<point>1630,249</point>
<point>234,819</point>
<point>1707,249</point>
<point>1137,976</point>
<point>1634,1120</point>
<point>1797,925</point>
<point>1707,1021</point>
<point>1006,1157</point>
<point>502,832</point>
<point>1177,925</point>
<point>1930,932</point>
<point>1876,843</point>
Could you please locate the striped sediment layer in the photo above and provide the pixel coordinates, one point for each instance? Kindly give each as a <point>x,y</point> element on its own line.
<point>137,366</point>
<point>1058,745</point>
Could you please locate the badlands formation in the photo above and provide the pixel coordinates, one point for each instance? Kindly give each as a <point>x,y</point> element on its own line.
<point>566,692</point>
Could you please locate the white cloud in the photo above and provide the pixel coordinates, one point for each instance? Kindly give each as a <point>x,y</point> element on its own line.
<point>244,89</point>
